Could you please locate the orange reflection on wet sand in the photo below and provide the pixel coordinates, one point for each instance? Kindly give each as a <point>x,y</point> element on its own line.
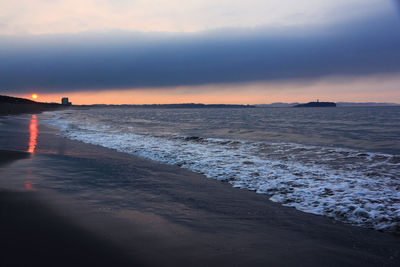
<point>33,132</point>
<point>28,185</point>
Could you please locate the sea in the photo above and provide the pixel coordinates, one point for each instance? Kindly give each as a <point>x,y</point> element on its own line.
<point>341,162</point>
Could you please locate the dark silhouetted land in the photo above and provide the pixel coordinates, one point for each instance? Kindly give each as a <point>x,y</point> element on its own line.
<point>182,105</point>
<point>15,105</point>
<point>316,105</point>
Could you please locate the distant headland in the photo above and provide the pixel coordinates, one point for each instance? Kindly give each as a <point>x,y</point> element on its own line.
<point>338,104</point>
<point>316,104</point>
<point>182,105</point>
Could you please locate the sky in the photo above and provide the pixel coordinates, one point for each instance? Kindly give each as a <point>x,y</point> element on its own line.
<point>169,51</point>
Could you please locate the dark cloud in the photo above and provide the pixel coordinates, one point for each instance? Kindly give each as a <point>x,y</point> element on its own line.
<point>94,61</point>
<point>397,2</point>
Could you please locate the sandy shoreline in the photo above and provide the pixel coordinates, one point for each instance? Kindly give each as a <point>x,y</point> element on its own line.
<point>137,211</point>
<point>33,235</point>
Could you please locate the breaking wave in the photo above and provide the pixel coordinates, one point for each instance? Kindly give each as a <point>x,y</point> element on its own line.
<point>357,187</point>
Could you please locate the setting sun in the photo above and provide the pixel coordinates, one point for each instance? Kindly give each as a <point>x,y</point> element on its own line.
<point>34,96</point>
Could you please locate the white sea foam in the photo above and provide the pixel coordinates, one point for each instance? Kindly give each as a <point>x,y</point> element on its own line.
<point>361,188</point>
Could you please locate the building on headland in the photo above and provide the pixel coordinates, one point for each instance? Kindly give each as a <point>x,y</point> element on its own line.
<point>65,101</point>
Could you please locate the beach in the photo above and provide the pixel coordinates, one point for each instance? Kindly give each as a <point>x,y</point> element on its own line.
<point>72,203</point>
<point>34,235</point>
<point>200,133</point>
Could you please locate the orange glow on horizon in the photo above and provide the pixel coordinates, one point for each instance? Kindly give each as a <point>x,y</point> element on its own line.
<point>139,97</point>
<point>374,88</point>
<point>33,133</point>
<point>34,96</point>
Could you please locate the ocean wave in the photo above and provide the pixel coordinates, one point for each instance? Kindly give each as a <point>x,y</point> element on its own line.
<point>357,187</point>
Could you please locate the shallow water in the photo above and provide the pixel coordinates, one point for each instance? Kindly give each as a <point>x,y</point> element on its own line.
<point>339,162</point>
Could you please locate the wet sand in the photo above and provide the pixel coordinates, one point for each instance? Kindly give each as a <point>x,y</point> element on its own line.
<point>8,156</point>
<point>90,201</point>
<point>33,235</point>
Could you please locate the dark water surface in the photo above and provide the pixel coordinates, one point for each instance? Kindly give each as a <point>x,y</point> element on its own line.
<point>339,162</point>
<point>372,129</point>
